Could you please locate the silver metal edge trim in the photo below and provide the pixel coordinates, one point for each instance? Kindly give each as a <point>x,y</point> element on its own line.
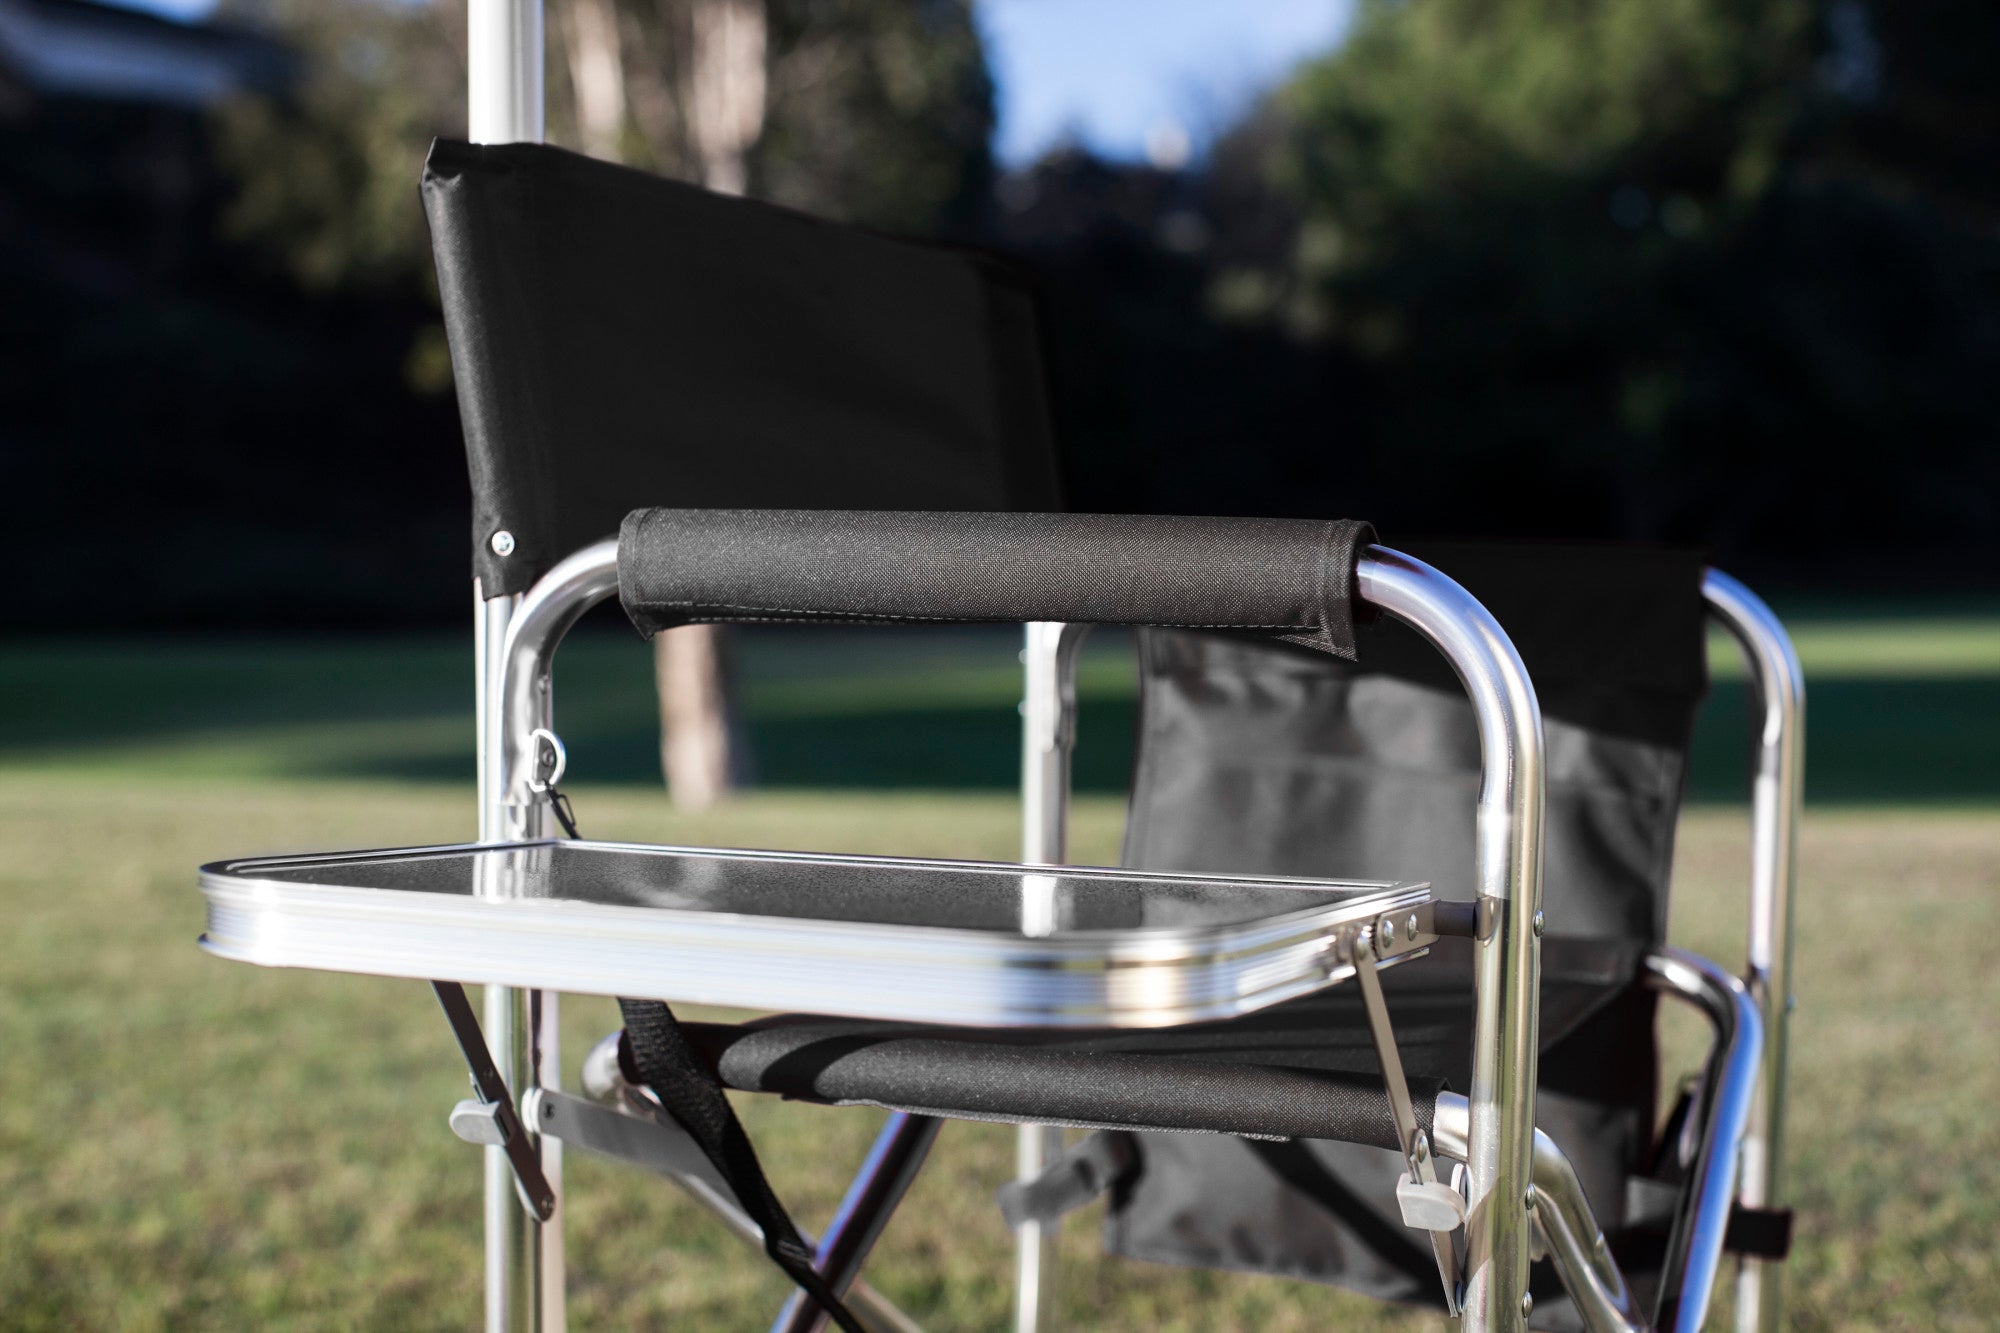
<point>525,945</point>
<point>1778,785</point>
<point>1507,956</point>
<point>227,882</point>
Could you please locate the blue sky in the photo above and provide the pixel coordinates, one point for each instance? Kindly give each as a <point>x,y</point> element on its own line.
<point>1113,72</point>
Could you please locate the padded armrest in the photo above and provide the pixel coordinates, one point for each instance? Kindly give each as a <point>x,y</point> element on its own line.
<point>1287,578</point>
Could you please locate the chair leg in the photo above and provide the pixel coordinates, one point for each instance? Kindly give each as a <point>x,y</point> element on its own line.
<point>1566,1223</point>
<point>891,1167</point>
<point>1048,735</point>
<point>1036,1147</point>
<point>1690,1271</point>
<point>1774,816</point>
<point>604,1084</point>
<point>1562,1214</point>
<point>524,1255</point>
<point>1507,952</point>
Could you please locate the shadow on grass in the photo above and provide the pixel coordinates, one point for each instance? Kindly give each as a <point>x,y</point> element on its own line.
<point>1869,742</point>
<point>935,717</point>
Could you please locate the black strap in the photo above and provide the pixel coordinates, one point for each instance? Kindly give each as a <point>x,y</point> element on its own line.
<point>658,1052</point>
<point>655,1049</point>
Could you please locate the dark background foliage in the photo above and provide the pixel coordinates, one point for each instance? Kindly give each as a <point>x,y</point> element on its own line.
<point>1712,271</point>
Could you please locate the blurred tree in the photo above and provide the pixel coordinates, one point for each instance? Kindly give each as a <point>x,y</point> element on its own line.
<point>876,111</point>
<point>728,45</point>
<point>1650,268</point>
<point>881,112</point>
<point>325,173</point>
<point>871,110</point>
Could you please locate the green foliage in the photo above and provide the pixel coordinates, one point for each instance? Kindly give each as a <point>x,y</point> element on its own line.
<point>1654,268</point>
<point>326,179</point>
<point>879,111</point>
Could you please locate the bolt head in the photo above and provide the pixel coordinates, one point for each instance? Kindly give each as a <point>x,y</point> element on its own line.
<point>1527,1305</point>
<point>1529,1198</point>
<point>1539,925</point>
<point>1389,932</point>
<point>502,542</point>
<point>1412,924</point>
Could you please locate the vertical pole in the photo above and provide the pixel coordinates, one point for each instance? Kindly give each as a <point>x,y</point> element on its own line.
<point>1507,950</point>
<point>1777,786</point>
<point>1048,734</point>
<point>504,101</point>
<point>524,1259</point>
<point>524,1256</point>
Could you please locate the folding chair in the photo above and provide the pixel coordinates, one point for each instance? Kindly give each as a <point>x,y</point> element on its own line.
<point>621,341</point>
<point>1260,758</point>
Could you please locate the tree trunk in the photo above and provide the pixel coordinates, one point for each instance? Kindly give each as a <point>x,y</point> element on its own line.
<point>725,96</point>
<point>690,671</point>
<point>596,74</point>
<point>725,113</point>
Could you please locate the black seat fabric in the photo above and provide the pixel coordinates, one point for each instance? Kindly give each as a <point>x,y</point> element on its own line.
<point>1305,1069</point>
<point>621,341</point>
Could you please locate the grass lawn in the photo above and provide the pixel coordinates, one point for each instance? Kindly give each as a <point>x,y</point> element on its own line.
<point>186,1143</point>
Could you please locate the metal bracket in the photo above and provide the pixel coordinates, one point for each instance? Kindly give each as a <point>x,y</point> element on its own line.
<point>1428,1204</point>
<point>551,760</point>
<point>662,1148</point>
<point>493,1120</point>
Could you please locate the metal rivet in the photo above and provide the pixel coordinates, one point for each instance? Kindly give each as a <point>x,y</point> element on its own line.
<point>1527,1305</point>
<point>1389,933</point>
<point>502,542</point>
<point>1539,923</point>
<point>1413,925</point>
<point>1529,1198</point>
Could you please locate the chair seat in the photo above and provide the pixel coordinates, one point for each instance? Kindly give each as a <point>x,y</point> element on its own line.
<point>1303,1069</point>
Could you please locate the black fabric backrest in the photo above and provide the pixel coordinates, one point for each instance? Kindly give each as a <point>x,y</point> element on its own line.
<point>621,341</point>
<point>1253,758</point>
<point>1259,758</point>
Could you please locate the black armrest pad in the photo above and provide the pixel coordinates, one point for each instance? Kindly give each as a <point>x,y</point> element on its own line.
<point>1288,578</point>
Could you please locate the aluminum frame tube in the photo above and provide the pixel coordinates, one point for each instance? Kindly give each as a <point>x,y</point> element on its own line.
<point>1507,952</point>
<point>891,1167</point>
<point>524,1258</point>
<point>1777,788</point>
<point>1693,1263</point>
<point>1562,1212</point>
<point>504,71</point>
<point>1048,738</point>
<point>527,692</point>
<point>524,1279</point>
<point>525,1287</point>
